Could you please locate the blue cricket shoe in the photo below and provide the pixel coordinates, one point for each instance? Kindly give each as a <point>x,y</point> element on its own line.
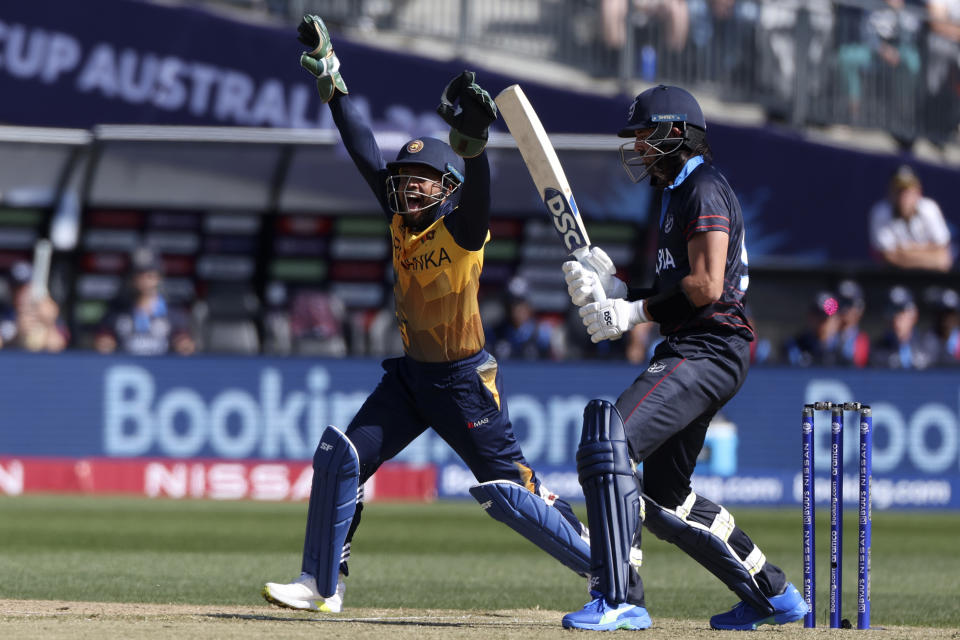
<point>598,615</point>
<point>789,606</point>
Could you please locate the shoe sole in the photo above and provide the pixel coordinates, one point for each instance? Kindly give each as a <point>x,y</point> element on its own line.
<point>269,597</point>
<point>631,624</point>
<point>599,627</point>
<point>780,618</point>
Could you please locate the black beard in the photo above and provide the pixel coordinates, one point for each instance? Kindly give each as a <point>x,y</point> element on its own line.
<point>421,221</point>
<point>666,170</point>
<point>656,182</point>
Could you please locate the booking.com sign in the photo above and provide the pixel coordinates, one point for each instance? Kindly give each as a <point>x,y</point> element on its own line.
<point>926,437</point>
<point>275,417</point>
<point>273,414</point>
<point>263,420</point>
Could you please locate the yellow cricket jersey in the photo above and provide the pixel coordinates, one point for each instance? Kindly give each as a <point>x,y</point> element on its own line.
<point>435,287</point>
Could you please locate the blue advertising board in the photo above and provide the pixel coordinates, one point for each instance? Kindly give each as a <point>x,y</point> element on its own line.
<point>76,404</point>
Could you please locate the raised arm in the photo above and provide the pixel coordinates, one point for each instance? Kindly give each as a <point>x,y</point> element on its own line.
<point>355,131</point>
<point>469,110</point>
<point>360,143</point>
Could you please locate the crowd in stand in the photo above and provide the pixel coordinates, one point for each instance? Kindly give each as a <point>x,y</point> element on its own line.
<point>892,64</point>
<point>907,232</point>
<point>889,63</point>
<point>919,330</point>
<point>834,336</point>
<point>918,333</point>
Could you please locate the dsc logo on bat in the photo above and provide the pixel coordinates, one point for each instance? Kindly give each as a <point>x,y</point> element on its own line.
<point>565,216</point>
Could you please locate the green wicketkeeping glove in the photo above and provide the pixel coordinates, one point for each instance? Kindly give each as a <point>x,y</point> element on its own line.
<point>321,61</point>
<point>470,123</point>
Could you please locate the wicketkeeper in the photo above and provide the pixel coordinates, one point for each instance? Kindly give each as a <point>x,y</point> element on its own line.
<point>436,201</point>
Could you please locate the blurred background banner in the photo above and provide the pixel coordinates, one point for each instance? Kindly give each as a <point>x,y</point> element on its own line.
<point>68,67</point>
<point>213,410</point>
<point>79,64</point>
<point>151,64</point>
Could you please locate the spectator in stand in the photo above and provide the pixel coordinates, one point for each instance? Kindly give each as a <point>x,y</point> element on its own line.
<point>888,48</point>
<point>900,347</point>
<point>723,38</point>
<point>907,229</point>
<point>854,343</point>
<point>942,339</point>
<point>783,26</point>
<point>817,345</point>
<point>667,20</point>
<point>383,335</point>
<point>33,321</point>
<point>943,68</point>
<point>141,323</point>
<point>521,335</point>
<point>318,324</point>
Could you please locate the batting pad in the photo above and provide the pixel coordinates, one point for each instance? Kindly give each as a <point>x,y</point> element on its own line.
<point>710,546</point>
<point>610,487</point>
<point>527,514</point>
<point>333,502</point>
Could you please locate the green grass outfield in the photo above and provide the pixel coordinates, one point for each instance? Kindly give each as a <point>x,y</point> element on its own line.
<point>445,555</point>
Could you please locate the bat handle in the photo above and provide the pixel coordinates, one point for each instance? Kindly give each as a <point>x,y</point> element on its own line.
<point>599,295</point>
<point>580,253</point>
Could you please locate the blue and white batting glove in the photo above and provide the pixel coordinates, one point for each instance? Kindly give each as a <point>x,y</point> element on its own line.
<point>610,319</point>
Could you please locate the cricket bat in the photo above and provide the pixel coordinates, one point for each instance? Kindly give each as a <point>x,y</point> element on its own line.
<point>545,169</point>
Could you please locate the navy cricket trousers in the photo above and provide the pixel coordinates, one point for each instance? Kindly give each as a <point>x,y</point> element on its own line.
<point>464,403</point>
<point>666,412</point>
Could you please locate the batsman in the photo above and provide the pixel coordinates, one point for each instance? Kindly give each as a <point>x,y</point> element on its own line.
<point>661,419</point>
<point>435,199</point>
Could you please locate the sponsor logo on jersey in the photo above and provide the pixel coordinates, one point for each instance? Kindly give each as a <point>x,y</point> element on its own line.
<point>668,223</point>
<point>425,238</point>
<point>478,423</point>
<point>656,367</point>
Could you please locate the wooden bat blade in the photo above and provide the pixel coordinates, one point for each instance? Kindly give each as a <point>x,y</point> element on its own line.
<point>544,167</point>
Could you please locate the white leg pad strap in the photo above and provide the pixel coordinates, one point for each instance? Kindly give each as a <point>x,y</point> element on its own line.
<point>710,547</point>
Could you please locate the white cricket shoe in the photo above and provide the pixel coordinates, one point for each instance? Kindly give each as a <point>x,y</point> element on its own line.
<point>302,594</point>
